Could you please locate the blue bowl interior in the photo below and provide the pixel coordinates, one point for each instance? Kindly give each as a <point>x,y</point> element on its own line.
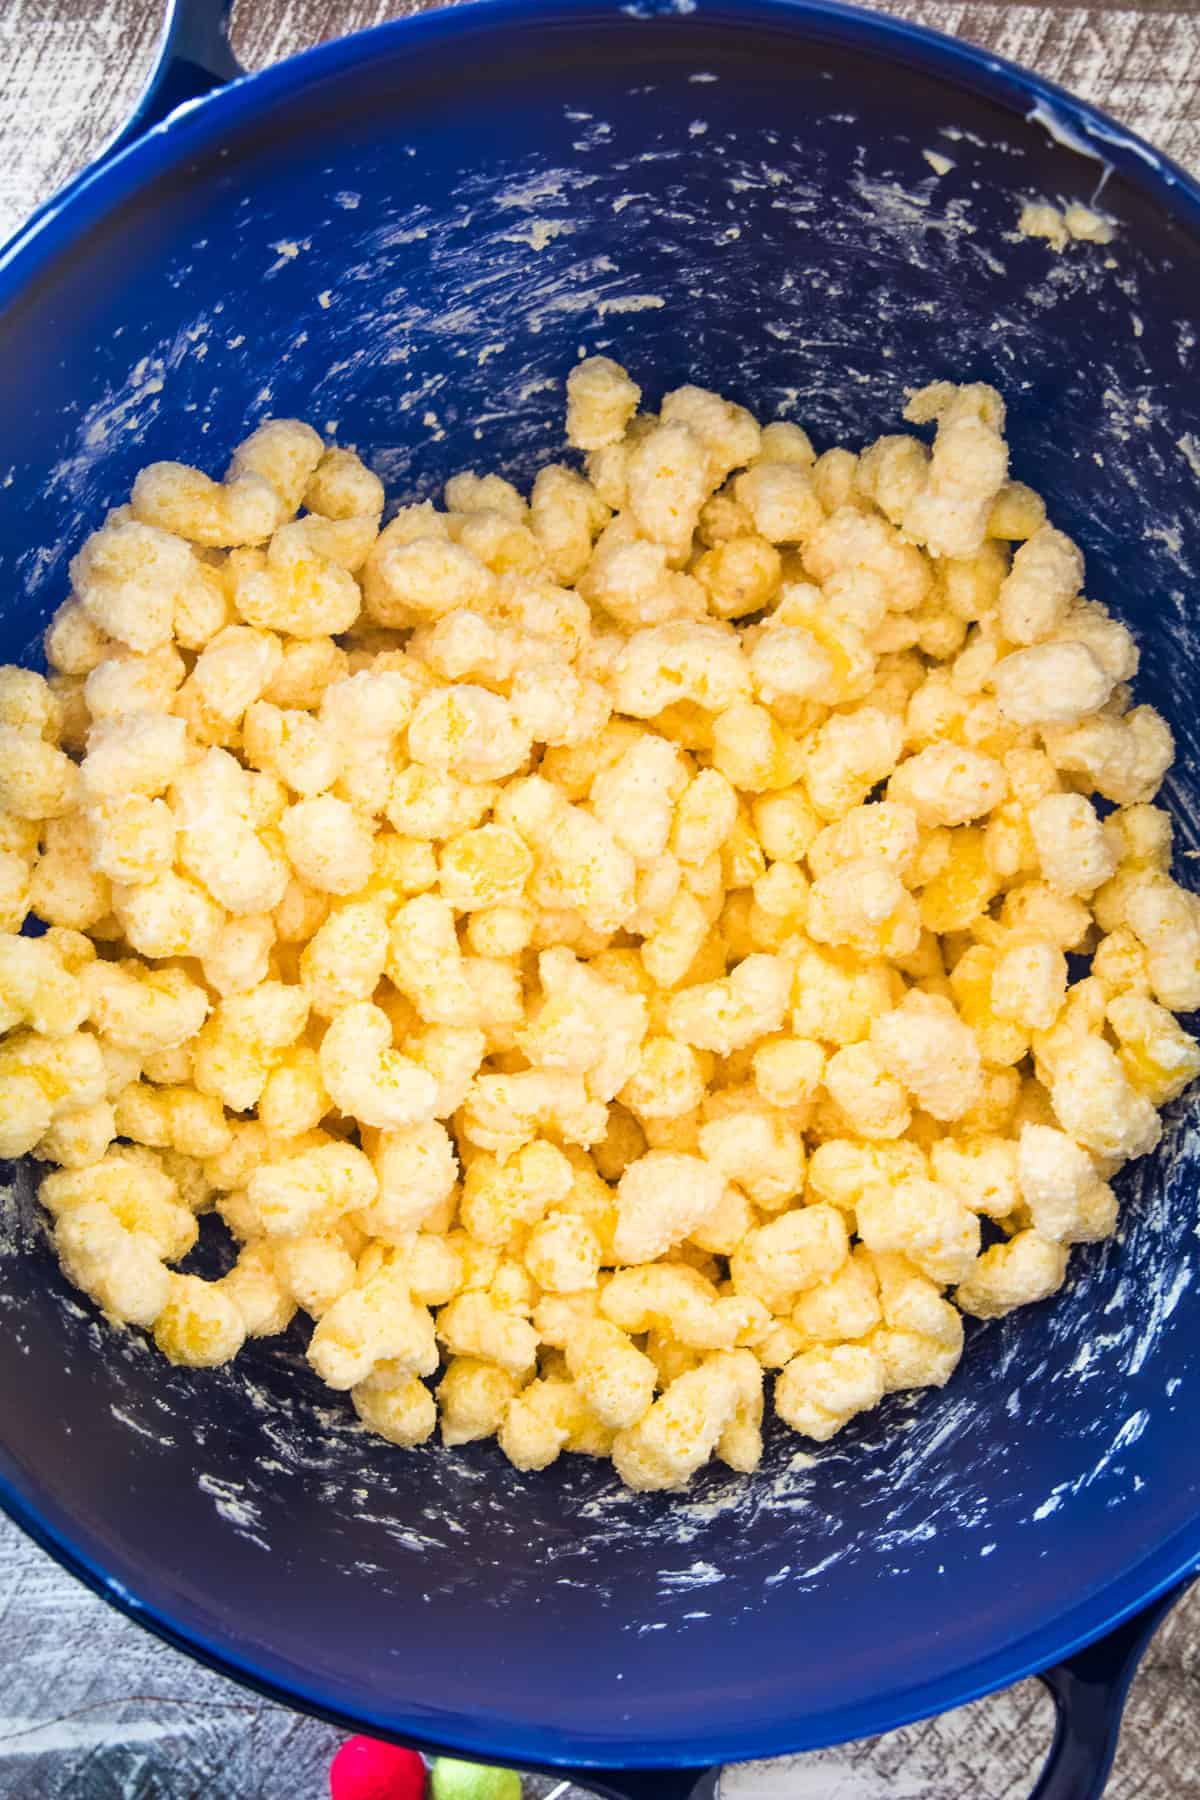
<point>409,240</point>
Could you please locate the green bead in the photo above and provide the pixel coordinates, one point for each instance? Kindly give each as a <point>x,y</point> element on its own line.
<point>473,1781</point>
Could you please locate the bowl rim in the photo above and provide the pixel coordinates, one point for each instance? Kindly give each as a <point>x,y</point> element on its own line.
<point>196,125</point>
<point>113,177</point>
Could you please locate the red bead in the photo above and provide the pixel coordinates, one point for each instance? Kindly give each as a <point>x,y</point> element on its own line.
<point>365,1769</point>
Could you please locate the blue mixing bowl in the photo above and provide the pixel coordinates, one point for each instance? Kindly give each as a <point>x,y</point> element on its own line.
<point>408,238</point>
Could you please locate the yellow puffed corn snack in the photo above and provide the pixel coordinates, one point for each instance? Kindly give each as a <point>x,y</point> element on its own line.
<point>595,949</point>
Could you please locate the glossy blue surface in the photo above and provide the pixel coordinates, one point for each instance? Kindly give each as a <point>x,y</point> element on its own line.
<point>408,238</point>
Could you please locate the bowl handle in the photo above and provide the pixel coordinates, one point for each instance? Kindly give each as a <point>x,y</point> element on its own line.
<point>193,56</point>
<point>1089,1691</point>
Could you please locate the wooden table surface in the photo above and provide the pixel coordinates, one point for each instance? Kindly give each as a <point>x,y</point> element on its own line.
<point>91,1707</point>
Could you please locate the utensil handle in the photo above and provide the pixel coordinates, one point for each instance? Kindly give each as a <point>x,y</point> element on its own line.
<point>644,1784</point>
<point>1089,1691</point>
